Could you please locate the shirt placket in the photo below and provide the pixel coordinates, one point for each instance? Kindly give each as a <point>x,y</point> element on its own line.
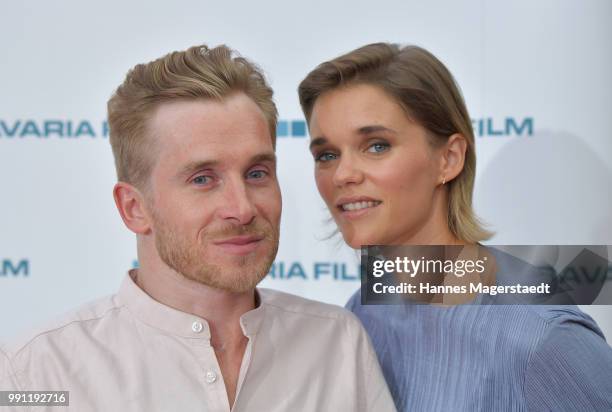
<point>244,368</point>
<point>209,373</point>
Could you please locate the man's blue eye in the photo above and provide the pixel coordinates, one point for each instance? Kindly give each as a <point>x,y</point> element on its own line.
<point>201,180</point>
<point>325,157</point>
<point>257,174</point>
<point>378,147</point>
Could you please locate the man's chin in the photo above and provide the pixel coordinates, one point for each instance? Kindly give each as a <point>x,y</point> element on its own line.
<point>224,280</point>
<point>239,262</point>
<point>238,282</point>
<point>232,273</point>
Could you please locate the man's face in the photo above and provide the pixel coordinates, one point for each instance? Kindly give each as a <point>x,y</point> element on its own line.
<point>214,196</point>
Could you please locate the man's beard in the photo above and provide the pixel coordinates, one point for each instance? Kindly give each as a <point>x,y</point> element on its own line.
<point>187,257</point>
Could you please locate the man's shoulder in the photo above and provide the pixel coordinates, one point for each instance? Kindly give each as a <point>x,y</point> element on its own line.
<point>65,326</point>
<point>315,324</point>
<point>292,304</point>
<point>7,380</point>
<point>4,363</point>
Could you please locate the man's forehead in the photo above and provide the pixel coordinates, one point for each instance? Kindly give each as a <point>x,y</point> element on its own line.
<point>217,147</point>
<point>182,110</point>
<point>216,126</point>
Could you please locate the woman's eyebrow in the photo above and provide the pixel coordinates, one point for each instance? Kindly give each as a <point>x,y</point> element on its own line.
<point>318,141</point>
<point>364,130</point>
<point>374,129</point>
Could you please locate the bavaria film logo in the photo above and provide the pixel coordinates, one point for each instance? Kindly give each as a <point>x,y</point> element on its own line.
<point>281,270</point>
<point>505,127</point>
<point>52,128</point>
<point>336,271</point>
<point>72,129</point>
<point>11,268</point>
<point>82,129</point>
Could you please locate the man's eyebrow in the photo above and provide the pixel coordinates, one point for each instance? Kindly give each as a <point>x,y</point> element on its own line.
<point>194,166</point>
<point>264,157</point>
<point>319,141</point>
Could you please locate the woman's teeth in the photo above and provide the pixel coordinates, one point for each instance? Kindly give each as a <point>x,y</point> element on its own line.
<point>358,205</point>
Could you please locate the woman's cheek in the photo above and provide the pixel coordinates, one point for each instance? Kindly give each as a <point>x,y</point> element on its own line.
<point>324,184</point>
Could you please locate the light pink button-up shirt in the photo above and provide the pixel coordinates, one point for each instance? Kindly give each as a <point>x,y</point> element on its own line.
<point>128,352</point>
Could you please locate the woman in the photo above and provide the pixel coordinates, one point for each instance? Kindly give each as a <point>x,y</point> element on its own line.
<point>395,164</point>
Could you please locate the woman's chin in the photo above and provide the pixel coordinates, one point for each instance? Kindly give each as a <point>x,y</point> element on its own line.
<point>356,242</point>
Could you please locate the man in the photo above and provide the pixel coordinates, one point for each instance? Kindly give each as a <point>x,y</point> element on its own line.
<point>193,135</point>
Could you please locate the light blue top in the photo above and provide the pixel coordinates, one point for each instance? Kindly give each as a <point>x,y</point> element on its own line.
<point>490,357</point>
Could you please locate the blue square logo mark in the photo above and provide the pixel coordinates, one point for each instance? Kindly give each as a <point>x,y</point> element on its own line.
<point>298,128</point>
<point>282,128</point>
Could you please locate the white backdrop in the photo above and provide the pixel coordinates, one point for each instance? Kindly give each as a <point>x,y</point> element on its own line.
<point>535,75</point>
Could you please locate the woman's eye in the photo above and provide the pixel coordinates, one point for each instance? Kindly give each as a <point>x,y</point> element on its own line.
<point>325,157</point>
<point>379,147</point>
<point>257,174</point>
<point>202,180</point>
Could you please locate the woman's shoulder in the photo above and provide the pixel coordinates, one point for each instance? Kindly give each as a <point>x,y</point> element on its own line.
<point>533,321</point>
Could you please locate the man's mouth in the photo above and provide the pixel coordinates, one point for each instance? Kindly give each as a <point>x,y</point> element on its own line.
<point>240,245</point>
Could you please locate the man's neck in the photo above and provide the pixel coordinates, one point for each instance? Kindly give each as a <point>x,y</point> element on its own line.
<point>221,309</point>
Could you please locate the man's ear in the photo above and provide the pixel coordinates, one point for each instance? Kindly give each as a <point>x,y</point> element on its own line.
<point>131,206</point>
<point>453,157</point>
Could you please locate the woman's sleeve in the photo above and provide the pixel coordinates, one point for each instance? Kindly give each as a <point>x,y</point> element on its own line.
<point>571,369</point>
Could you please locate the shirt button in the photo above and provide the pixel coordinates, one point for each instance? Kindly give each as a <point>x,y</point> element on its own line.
<point>211,377</point>
<point>196,327</point>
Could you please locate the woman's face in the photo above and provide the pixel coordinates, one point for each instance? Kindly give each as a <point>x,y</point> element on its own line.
<point>375,169</point>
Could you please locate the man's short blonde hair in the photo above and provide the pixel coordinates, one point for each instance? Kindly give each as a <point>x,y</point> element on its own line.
<point>196,73</point>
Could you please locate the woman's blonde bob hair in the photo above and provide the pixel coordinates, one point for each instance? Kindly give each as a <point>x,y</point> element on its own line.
<point>427,91</point>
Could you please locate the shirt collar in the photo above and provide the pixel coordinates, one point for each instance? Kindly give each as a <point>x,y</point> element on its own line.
<point>175,322</point>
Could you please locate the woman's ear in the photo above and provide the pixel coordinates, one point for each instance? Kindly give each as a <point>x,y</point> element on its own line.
<point>131,206</point>
<point>453,157</point>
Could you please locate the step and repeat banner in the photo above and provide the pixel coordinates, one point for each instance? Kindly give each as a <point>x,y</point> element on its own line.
<point>535,75</point>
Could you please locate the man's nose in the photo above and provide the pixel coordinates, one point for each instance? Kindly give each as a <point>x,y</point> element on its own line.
<point>237,203</point>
